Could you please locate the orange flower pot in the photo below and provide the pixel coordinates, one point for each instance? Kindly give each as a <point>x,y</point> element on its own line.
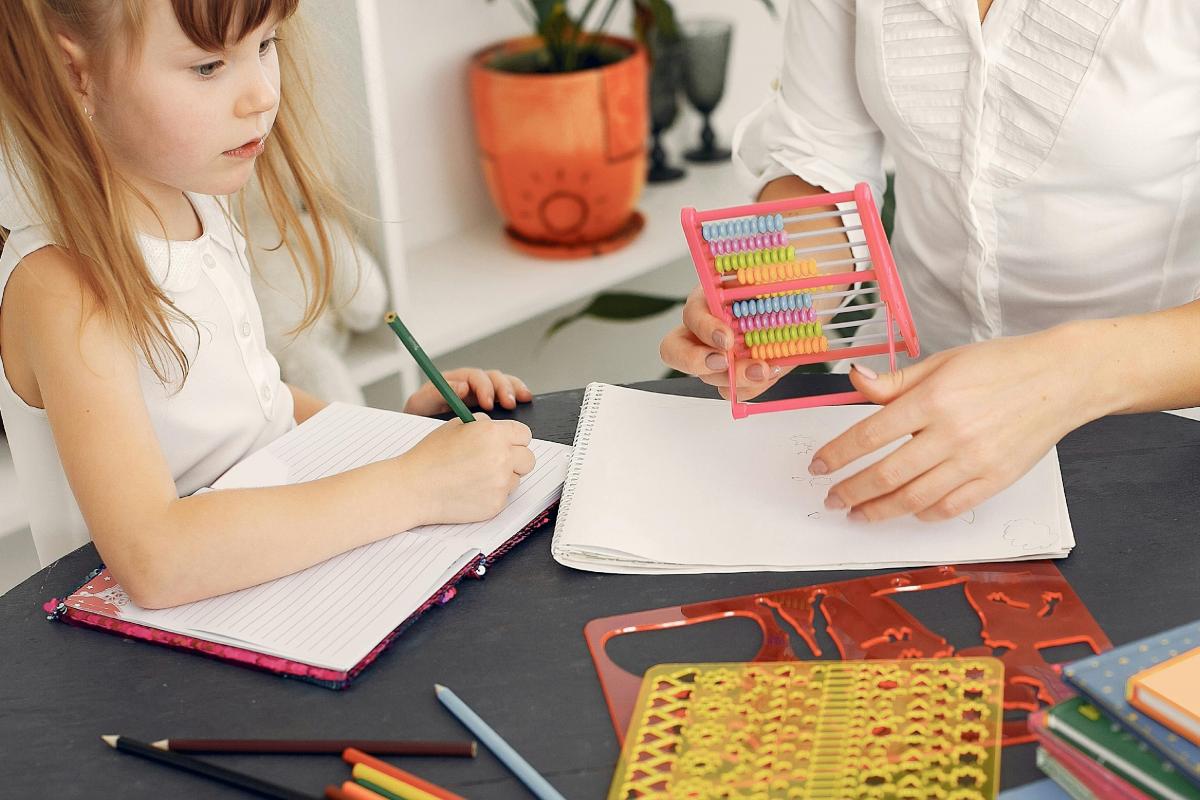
<point>564,154</point>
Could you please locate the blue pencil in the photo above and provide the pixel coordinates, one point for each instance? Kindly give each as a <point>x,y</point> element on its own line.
<point>508,757</point>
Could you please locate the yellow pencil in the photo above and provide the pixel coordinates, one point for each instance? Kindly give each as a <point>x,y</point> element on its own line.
<point>393,785</point>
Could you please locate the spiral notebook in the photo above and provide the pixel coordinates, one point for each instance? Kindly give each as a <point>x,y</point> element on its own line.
<point>327,622</point>
<point>666,484</point>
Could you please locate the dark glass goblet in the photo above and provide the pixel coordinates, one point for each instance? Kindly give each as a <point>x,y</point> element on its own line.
<point>705,60</point>
<point>666,77</point>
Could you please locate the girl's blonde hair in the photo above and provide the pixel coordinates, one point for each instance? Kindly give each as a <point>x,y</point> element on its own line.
<point>71,182</point>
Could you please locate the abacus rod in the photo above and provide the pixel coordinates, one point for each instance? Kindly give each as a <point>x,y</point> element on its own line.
<point>848,293</point>
<point>824,248</point>
<point>787,219</point>
<point>791,235</point>
<point>835,344</point>
<point>822,231</point>
<point>859,323</point>
<point>731,275</point>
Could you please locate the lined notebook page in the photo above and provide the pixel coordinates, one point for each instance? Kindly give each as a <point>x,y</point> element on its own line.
<point>659,483</point>
<point>332,614</point>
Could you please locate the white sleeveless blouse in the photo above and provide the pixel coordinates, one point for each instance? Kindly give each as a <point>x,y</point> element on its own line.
<point>232,403</point>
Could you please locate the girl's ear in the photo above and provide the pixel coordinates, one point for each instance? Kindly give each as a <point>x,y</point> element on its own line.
<point>75,59</point>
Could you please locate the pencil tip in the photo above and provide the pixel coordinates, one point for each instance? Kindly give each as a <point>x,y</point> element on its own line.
<point>438,688</point>
<point>162,744</point>
<point>110,739</point>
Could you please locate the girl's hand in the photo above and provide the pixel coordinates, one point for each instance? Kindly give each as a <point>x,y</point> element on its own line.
<point>699,346</point>
<point>980,416</point>
<point>466,472</point>
<point>475,387</point>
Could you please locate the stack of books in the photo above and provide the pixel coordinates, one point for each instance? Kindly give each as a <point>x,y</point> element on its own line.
<point>1135,730</point>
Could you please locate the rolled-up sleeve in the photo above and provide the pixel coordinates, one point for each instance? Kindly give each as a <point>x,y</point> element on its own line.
<point>814,125</point>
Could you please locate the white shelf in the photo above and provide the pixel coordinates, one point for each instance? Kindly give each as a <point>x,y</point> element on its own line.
<point>473,285</point>
<point>374,356</point>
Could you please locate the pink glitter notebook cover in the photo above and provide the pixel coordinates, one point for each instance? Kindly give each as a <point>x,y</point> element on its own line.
<point>89,606</point>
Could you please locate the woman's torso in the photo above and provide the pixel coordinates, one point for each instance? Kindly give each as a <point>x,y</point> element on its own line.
<point>1046,160</point>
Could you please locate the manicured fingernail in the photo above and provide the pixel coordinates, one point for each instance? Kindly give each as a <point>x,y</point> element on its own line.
<point>866,372</point>
<point>757,372</point>
<point>510,397</point>
<point>833,502</point>
<point>818,467</point>
<point>716,362</point>
<point>721,340</point>
<point>856,516</point>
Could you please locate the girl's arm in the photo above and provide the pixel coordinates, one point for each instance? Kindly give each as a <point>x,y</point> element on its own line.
<point>981,415</point>
<point>304,404</point>
<point>167,550</point>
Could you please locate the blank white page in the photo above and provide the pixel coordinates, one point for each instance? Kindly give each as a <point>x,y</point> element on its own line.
<point>674,484</point>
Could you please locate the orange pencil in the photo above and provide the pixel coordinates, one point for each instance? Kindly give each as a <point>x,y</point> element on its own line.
<point>352,756</point>
<point>350,791</point>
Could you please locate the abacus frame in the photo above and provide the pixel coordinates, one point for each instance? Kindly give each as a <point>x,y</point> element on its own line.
<point>882,272</point>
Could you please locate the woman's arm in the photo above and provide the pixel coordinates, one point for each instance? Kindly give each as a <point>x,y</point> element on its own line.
<point>981,415</point>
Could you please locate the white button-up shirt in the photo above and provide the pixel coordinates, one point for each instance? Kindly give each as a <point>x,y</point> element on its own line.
<point>232,403</point>
<point>1046,161</point>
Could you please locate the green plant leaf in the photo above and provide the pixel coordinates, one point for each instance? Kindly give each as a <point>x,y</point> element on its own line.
<point>618,306</point>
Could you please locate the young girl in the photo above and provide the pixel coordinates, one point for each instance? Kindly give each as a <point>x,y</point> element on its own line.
<point>134,365</point>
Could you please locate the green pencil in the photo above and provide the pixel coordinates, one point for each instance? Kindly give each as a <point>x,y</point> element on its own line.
<point>453,400</point>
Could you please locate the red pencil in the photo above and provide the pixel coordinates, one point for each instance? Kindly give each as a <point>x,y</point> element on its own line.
<point>381,747</point>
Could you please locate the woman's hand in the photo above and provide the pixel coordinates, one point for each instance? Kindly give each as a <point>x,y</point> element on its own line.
<point>699,347</point>
<point>980,416</point>
<point>475,387</point>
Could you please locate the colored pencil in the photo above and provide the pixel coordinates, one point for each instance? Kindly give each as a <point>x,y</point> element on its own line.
<point>355,757</point>
<point>351,791</point>
<point>395,786</point>
<point>195,765</point>
<point>509,757</point>
<point>382,747</point>
<point>378,791</point>
<point>433,373</point>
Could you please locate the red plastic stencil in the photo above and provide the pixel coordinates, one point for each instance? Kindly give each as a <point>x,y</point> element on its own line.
<point>1023,608</point>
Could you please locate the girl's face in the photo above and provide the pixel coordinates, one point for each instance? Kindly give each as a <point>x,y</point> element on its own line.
<point>182,118</point>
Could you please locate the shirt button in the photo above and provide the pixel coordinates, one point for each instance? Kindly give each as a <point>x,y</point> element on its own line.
<point>209,261</point>
<point>245,329</point>
<point>266,393</point>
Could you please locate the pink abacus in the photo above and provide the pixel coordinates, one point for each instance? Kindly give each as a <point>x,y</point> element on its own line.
<point>763,280</point>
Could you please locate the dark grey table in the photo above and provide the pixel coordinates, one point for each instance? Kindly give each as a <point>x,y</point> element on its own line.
<point>512,646</point>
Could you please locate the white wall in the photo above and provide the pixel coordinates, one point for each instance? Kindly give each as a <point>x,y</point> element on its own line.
<point>443,190</point>
<point>426,52</point>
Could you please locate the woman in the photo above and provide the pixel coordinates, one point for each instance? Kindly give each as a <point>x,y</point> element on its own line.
<point>1047,227</point>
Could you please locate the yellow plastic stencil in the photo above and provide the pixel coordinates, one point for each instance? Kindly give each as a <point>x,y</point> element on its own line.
<point>924,729</point>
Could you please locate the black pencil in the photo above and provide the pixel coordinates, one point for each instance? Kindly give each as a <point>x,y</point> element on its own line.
<point>232,777</point>
<point>376,747</point>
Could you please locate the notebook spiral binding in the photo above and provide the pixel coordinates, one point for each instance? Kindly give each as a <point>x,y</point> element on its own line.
<point>583,437</point>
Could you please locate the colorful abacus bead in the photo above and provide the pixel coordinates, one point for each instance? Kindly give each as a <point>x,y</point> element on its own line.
<point>745,226</point>
<point>769,255</point>
<point>792,347</point>
<point>783,301</point>
<point>773,273</point>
